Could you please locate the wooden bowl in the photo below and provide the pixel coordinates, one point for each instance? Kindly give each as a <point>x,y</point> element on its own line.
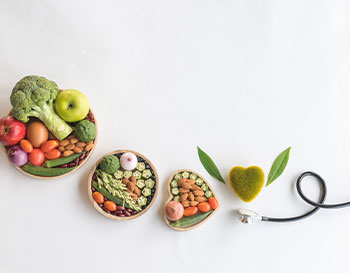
<point>108,215</point>
<point>171,198</point>
<point>62,175</point>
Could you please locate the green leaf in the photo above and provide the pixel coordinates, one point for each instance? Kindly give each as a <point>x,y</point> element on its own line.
<point>278,166</point>
<point>209,165</point>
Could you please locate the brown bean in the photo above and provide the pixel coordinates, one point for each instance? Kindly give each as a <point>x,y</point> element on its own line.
<point>67,153</point>
<point>69,147</point>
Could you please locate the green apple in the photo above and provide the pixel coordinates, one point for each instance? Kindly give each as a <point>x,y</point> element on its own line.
<point>72,105</point>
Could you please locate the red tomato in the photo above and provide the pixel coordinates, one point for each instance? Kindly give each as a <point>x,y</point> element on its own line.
<point>49,145</point>
<point>110,205</point>
<point>36,157</point>
<point>190,211</point>
<point>213,202</point>
<point>204,206</point>
<point>26,146</point>
<point>53,154</point>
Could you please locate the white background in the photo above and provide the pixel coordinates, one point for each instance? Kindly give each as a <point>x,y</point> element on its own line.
<point>242,79</point>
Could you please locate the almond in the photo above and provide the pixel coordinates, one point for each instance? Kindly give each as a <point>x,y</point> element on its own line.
<point>77,150</point>
<point>69,147</point>
<point>198,193</point>
<point>64,142</point>
<point>125,181</point>
<point>137,191</point>
<point>200,199</point>
<point>190,196</point>
<point>61,148</point>
<point>195,188</point>
<point>90,142</point>
<point>185,204</point>
<point>88,147</point>
<point>186,186</point>
<point>184,197</point>
<point>130,186</point>
<point>133,179</point>
<point>194,203</point>
<point>80,144</point>
<point>182,190</point>
<point>71,136</point>
<point>191,181</point>
<point>74,140</point>
<point>182,180</point>
<point>67,153</point>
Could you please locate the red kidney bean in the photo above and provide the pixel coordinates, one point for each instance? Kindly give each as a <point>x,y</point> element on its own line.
<point>118,211</point>
<point>94,176</point>
<point>127,213</point>
<point>134,212</point>
<point>105,199</point>
<point>87,153</point>
<point>120,208</point>
<point>72,164</point>
<point>91,115</point>
<point>129,210</point>
<point>80,162</point>
<point>100,205</point>
<point>93,189</point>
<point>64,166</point>
<point>121,215</point>
<point>82,156</point>
<point>76,161</point>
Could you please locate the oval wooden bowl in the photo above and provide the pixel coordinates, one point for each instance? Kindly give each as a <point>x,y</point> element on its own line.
<point>108,215</point>
<point>62,175</point>
<point>171,197</point>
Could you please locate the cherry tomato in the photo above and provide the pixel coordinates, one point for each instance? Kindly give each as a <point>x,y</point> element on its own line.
<point>26,146</point>
<point>98,197</point>
<point>36,157</point>
<point>53,154</point>
<point>110,205</point>
<point>204,206</point>
<point>190,211</point>
<point>49,145</point>
<point>213,202</point>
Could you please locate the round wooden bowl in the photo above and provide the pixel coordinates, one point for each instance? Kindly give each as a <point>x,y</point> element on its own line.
<point>62,175</point>
<point>171,197</point>
<point>108,215</point>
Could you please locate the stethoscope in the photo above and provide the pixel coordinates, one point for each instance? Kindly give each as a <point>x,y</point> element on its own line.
<point>248,216</point>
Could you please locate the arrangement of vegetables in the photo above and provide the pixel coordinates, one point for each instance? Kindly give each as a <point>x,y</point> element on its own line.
<point>191,202</point>
<point>48,132</point>
<point>123,184</point>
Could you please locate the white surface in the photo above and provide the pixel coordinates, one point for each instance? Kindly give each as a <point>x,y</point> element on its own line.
<point>241,79</point>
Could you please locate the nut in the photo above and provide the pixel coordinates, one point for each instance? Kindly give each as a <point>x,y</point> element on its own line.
<point>133,179</point>
<point>77,150</point>
<point>74,140</point>
<point>195,188</point>
<point>184,197</point>
<point>194,203</point>
<point>67,153</point>
<point>182,190</point>
<point>70,147</point>
<point>186,186</point>
<point>137,191</point>
<point>200,199</point>
<point>80,144</point>
<point>185,204</point>
<point>130,186</point>
<point>190,196</point>
<point>71,136</point>
<point>61,148</point>
<point>191,181</point>
<point>125,181</point>
<point>64,142</point>
<point>88,147</point>
<point>90,142</point>
<point>182,180</point>
<point>198,193</point>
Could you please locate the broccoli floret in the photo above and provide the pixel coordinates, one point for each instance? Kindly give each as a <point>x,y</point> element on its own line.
<point>109,164</point>
<point>33,96</point>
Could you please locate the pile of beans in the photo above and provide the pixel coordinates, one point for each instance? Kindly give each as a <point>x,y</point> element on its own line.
<point>90,117</point>
<point>76,162</point>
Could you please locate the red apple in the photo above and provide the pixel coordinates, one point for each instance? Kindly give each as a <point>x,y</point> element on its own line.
<point>12,131</point>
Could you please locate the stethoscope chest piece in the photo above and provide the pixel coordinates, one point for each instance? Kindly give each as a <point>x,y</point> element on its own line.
<point>247,216</point>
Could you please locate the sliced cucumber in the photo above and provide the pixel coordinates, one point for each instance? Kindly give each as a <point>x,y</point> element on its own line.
<point>142,201</point>
<point>177,198</point>
<point>185,174</point>
<point>140,166</point>
<point>119,174</point>
<point>146,174</point>
<point>208,194</point>
<point>193,176</point>
<point>204,187</point>
<point>199,181</point>
<point>140,184</point>
<point>174,184</point>
<point>137,174</point>
<point>178,177</point>
<point>149,183</point>
<point>175,191</point>
<point>146,192</point>
<point>127,174</point>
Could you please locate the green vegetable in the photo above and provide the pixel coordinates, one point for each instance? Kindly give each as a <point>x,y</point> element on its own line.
<point>149,183</point>
<point>60,161</point>
<point>109,164</point>
<point>140,166</point>
<point>119,174</point>
<point>193,176</point>
<point>42,171</point>
<point>127,174</point>
<point>278,166</point>
<point>140,184</point>
<point>137,174</point>
<point>174,184</point>
<point>204,187</point>
<point>175,191</point>
<point>142,201</point>
<point>185,174</point>
<point>199,181</point>
<point>208,194</point>
<point>85,131</point>
<point>146,174</point>
<point>177,198</point>
<point>178,176</point>
<point>33,96</point>
<point>146,192</point>
<point>109,196</point>
<point>191,220</point>
<point>209,165</point>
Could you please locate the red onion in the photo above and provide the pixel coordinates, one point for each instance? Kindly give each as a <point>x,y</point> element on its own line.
<point>17,156</point>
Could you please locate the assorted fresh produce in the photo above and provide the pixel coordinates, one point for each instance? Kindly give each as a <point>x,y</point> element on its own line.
<point>48,132</point>
<point>121,190</point>
<point>192,200</point>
